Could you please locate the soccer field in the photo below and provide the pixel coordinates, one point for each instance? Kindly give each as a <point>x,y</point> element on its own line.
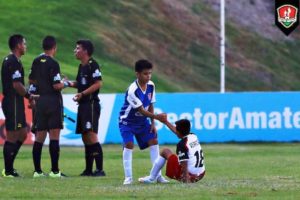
<point>234,171</point>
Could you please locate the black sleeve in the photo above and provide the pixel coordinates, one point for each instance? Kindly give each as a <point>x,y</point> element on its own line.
<point>32,71</point>
<point>182,150</point>
<point>55,73</point>
<point>15,71</point>
<point>95,71</point>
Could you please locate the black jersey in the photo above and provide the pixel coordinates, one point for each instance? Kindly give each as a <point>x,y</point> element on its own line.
<point>13,103</point>
<point>45,71</point>
<point>87,75</point>
<point>11,71</point>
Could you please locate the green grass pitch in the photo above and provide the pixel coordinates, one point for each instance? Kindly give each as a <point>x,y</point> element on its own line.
<point>234,171</point>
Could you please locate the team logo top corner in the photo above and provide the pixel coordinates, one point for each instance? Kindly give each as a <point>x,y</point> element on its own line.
<point>287,15</point>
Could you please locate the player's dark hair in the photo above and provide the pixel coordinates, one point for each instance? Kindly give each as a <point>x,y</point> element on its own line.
<point>183,126</point>
<point>86,45</point>
<point>140,65</point>
<point>49,42</point>
<point>14,40</point>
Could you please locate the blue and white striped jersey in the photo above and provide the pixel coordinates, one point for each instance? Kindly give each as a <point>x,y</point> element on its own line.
<point>134,98</point>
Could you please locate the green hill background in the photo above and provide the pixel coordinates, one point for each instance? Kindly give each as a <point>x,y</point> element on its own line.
<point>181,38</point>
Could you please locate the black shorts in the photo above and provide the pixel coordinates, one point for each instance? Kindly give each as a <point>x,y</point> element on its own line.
<point>49,113</point>
<point>88,117</point>
<point>14,112</point>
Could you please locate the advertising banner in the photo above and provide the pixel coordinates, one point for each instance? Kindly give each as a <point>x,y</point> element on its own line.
<point>230,117</point>
<point>215,117</point>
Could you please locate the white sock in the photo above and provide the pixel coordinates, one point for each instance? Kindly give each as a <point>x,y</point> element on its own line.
<point>156,169</point>
<point>127,162</point>
<point>154,154</point>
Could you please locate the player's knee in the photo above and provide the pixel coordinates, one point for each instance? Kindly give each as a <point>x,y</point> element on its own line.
<point>166,153</point>
<point>40,137</point>
<point>153,142</point>
<point>90,138</point>
<point>93,137</point>
<point>24,138</point>
<point>23,135</point>
<point>10,137</point>
<point>54,134</point>
<point>129,145</point>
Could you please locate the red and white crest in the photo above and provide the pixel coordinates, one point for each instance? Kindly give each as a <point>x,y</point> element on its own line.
<point>287,15</point>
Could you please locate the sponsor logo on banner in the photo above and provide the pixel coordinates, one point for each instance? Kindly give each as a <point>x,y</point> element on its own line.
<point>237,119</point>
<point>287,15</point>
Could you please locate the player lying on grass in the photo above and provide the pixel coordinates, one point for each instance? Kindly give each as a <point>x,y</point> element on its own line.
<point>187,165</point>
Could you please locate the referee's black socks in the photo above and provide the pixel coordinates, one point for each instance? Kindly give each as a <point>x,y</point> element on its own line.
<point>54,154</point>
<point>89,159</point>
<point>17,148</point>
<point>9,150</point>
<point>98,155</point>
<point>36,155</point>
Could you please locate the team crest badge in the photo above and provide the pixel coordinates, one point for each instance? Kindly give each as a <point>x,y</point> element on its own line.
<point>287,15</point>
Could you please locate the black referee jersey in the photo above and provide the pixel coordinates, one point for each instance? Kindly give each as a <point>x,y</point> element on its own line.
<point>45,71</point>
<point>12,103</point>
<point>12,71</point>
<point>87,75</point>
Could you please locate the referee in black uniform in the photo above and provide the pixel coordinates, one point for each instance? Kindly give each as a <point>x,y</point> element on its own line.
<point>45,75</point>
<point>12,77</point>
<point>88,82</point>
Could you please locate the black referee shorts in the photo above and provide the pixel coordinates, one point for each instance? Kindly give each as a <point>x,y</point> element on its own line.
<point>88,117</point>
<point>14,112</point>
<point>49,113</point>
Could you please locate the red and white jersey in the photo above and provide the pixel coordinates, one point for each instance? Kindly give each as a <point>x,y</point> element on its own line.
<point>189,149</point>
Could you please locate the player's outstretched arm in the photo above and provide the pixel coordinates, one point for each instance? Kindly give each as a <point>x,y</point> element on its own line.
<point>160,117</point>
<point>171,127</point>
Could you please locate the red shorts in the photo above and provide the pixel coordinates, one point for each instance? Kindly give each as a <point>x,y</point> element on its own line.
<point>173,170</point>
